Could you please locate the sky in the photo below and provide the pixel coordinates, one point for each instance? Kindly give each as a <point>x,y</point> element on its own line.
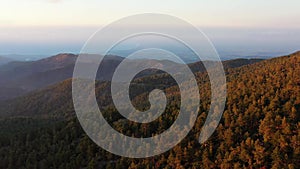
<point>234,26</point>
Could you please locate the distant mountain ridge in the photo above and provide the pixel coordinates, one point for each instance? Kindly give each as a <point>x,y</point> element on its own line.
<point>24,57</point>
<point>23,77</point>
<point>5,60</point>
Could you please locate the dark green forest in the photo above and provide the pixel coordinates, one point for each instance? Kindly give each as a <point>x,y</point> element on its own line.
<point>260,126</point>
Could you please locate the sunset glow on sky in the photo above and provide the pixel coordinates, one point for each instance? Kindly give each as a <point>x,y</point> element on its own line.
<point>71,22</point>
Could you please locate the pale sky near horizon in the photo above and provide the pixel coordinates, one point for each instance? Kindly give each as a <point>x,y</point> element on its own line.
<point>73,21</point>
<point>245,13</point>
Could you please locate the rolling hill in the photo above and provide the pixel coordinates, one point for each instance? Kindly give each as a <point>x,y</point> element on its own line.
<point>22,77</point>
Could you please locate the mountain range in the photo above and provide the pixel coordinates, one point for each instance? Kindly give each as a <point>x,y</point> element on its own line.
<point>21,77</point>
<point>51,81</point>
<point>259,127</point>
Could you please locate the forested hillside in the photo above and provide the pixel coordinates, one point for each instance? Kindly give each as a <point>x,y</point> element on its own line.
<point>260,127</point>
